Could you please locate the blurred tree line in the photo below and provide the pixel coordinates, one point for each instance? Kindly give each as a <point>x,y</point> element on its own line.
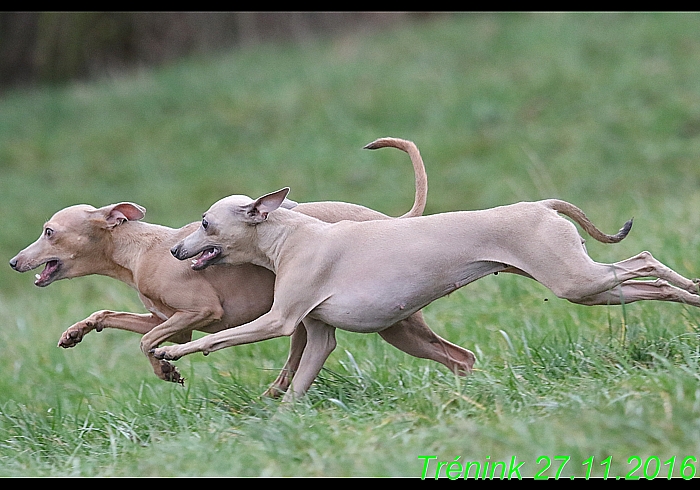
<point>50,47</point>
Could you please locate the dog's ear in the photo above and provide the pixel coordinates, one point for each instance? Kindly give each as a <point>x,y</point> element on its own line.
<point>289,204</point>
<point>115,214</point>
<point>257,211</point>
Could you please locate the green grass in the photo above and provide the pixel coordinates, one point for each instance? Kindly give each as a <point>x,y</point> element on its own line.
<point>598,109</point>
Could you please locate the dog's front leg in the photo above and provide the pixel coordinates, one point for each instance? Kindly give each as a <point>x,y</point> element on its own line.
<point>132,322</point>
<point>179,323</point>
<point>296,349</point>
<point>268,326</point>
<point>320,343</point>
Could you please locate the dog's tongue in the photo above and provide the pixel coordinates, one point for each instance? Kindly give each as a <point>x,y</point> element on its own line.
<point>50,268</point>
<point>203,258</point>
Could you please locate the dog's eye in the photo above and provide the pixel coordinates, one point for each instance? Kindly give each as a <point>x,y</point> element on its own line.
<point>48,232</point>
<point>205,223</point>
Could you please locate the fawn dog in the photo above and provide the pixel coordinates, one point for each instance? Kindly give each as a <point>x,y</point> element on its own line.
<point>111,241</point>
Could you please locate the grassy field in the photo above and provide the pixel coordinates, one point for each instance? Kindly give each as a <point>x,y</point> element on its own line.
<point>602,110</point>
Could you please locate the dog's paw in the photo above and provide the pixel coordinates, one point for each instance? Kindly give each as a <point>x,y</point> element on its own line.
<point>163,353</point>
<point>73,336</point>
<point>273,392</point>
<point>75,333</point>
<point>170,373</point>
<point>280,385</point>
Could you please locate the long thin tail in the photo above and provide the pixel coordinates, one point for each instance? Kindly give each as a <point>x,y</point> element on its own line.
<point>418,168</point>
<point>578,216</point>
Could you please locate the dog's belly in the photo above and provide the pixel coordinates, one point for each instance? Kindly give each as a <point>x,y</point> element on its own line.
<point>362,314</point>
<point>373,305</point>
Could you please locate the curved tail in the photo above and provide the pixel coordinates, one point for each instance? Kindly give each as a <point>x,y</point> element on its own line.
<point>418,168</point>
<point>579,217</point>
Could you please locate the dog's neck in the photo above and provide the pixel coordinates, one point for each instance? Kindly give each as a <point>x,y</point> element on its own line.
<point>275,234</point>
<point>129,242</point>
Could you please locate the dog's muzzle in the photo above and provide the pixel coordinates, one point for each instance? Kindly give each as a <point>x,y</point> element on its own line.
<point>177,252</point>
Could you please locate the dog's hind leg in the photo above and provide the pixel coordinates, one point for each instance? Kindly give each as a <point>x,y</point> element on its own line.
<point>631,291</point>
<point>644,265</point>
<point>581,280</point>
<point>414,337</point>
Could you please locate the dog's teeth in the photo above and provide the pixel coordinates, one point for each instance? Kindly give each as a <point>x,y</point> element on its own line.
<point>37,276</point>
<point>194,261</point>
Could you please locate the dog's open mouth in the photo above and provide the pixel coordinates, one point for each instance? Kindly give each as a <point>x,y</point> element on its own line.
<point>48,274</point>
<point>206,258</point>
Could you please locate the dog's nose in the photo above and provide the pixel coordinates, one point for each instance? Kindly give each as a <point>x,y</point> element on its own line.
<point>175,250</point>
<point>13,263</point>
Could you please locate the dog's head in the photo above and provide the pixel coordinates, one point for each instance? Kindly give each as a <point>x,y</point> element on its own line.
<point>72,241</point>
<point>228,230</point>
